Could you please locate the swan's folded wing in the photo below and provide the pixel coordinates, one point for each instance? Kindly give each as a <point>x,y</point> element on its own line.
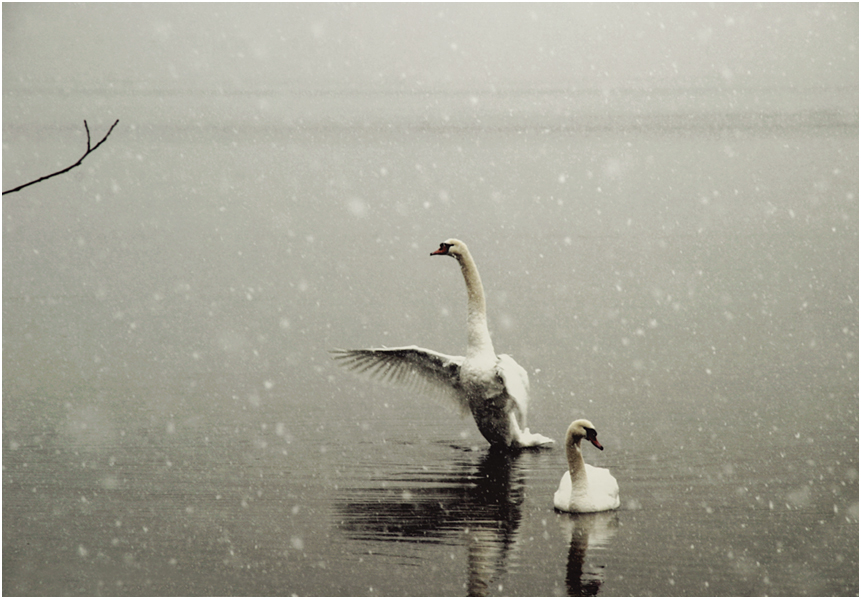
<point>516,382</point>
<point>412,367</point>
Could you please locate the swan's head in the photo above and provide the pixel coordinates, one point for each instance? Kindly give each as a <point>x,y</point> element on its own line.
<point>582,429</point>
<point>451,247</point>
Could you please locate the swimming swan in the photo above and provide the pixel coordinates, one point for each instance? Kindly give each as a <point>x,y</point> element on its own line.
<point>593,489</point>
<point>494,388</point>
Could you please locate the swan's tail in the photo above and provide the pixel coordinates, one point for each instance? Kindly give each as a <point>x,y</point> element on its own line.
<point>528,439</point>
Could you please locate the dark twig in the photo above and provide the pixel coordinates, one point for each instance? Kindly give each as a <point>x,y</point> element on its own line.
<point>68,168</point>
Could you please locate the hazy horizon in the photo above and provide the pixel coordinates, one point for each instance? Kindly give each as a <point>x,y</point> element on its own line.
<point>423,47</point>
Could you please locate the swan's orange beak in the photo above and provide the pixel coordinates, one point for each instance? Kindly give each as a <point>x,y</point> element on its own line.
<point>442,251</point>
<point>592,436</point>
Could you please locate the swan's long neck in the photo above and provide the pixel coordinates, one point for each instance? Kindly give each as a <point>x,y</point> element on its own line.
<point>576,466</point>
<point>478,338</point>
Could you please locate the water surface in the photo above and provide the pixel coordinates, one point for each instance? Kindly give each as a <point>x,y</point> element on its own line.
<point>683,274</point>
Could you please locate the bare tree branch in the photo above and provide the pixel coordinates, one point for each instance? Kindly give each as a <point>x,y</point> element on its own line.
<point>68,168</point>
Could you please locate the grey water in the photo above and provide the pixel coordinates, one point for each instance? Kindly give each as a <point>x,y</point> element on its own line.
<point>677,264</point>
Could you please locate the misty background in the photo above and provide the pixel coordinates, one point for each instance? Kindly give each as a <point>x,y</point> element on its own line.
<point>430,47</point>
<point>663,204</point>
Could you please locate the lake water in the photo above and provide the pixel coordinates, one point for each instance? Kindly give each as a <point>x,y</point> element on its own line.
<point>681,268</point>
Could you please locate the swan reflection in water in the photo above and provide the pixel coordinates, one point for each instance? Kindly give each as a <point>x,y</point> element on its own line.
<point>479,503</point>
<point>587,532</point>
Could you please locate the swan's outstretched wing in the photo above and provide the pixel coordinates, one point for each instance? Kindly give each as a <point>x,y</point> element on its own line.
<point>413,368</point>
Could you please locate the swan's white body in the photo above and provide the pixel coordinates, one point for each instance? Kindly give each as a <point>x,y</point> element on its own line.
<point>494,388</point>
<point>584,488</point>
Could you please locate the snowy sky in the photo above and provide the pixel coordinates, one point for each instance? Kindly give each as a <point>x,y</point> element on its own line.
<point>416,47</point>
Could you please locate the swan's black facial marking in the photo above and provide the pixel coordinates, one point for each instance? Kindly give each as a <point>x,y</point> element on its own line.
<point>443,249</point>
<point>592,435</point>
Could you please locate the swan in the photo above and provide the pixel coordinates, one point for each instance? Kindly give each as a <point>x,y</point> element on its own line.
<point>494,388</point>
<point>584,488</point>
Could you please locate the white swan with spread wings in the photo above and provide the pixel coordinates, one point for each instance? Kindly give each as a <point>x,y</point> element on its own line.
<point>494,388</point>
